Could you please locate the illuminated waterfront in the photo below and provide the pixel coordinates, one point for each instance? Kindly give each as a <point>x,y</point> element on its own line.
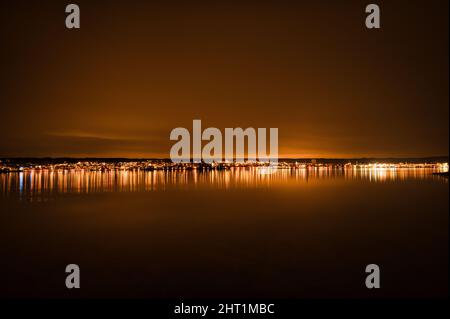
<point>43,181</point>
<point>8,166</point>
<point>200,231</point>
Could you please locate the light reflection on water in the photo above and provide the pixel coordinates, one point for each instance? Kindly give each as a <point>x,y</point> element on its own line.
<point>224,234</point>
<point>83,181</point>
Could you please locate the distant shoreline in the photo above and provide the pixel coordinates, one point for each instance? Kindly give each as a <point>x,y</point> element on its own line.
<point>21,165</point>
<point>362,160</point>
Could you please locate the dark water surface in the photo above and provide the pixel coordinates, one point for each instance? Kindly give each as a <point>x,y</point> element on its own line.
<point>237,233</point>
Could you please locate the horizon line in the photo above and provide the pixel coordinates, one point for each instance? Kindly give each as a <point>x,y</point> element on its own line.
<point>168,158</point>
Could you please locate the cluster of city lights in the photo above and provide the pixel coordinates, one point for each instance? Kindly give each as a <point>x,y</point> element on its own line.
<point>6,167</point>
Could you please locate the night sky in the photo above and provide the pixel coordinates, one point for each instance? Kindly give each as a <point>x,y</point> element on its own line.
<point>137,69</point>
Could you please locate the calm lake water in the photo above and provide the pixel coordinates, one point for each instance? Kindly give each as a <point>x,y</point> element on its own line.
<point>45,183</point>
<point>236,233</point>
